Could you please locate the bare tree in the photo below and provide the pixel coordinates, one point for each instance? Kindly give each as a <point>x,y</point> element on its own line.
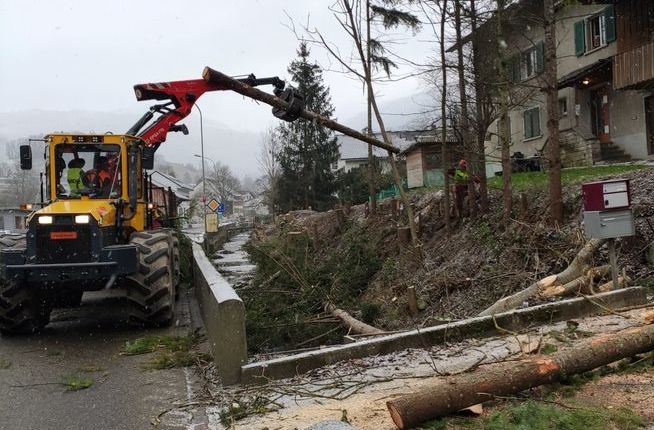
<point>349,16</point>
<point>267,159</point>
<point>221,180</point>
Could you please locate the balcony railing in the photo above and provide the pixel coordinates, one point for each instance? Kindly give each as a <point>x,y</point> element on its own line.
<point>634,69</point>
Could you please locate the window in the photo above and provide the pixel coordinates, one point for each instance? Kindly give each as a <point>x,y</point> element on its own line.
<point>595,31</point>
<point>563,106</point>
<point>532,123</point>
<point>529,64</point>
<point>87,169</point>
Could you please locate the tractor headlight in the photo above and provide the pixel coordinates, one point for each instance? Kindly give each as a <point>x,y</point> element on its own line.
<point>82,219</point>
<point>45,219</point>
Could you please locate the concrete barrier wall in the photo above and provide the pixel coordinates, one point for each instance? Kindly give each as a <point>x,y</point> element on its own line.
<point>521,319</point>
<point>223,313</point>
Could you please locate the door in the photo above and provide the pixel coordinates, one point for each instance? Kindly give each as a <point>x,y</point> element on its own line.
<point>649,121</point>
<point>599,113</point>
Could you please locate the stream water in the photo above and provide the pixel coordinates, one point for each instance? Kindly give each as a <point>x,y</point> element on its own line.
<point>233,262</point>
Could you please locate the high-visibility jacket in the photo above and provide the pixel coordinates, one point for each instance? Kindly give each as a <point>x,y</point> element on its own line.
<point>74,176</point>
<point>461,177</point>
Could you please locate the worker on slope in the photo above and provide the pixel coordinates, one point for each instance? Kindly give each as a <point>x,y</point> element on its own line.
<point>461,180</point>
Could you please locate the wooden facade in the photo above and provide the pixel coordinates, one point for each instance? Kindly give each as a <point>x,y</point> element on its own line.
<point>633,66</point>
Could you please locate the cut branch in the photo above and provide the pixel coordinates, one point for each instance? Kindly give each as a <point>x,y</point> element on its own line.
<point>354,325</point>
<point>576,269</point>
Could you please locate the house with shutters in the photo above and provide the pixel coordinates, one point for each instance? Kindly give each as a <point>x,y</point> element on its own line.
<point>605,61</point>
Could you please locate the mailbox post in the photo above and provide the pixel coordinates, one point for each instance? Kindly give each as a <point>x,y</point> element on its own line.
<point>608,214</point>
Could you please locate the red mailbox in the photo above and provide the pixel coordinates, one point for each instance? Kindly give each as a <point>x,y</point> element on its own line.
<point>606,195</point>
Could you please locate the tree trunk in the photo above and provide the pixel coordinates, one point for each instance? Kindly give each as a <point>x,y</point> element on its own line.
<point>552,89</point>
<point>505,132</point>
<point>463,99</point>
<point>445,396</point>
<point>576,269</point>
<point>444,154</point>
<point>215,77</point>
<point>372,180</point>
<point>481,131</point>
<point>354,325</point>
<point>581,284</point>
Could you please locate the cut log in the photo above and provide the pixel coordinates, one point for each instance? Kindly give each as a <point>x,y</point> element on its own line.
<point>448,395</point>
<point>582,284</point>
<point>354,325</point>
<point>576,269</point>
<point>623,281</point>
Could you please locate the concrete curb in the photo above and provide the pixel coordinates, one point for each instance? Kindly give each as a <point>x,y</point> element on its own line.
<point>521,319</point>
<point>223,313</point>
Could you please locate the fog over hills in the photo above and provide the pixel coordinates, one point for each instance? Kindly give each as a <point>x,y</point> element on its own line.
<point>222,143</point>
<point>235,148</point>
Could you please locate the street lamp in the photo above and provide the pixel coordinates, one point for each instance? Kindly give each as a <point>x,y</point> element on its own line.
<point>204,182</point>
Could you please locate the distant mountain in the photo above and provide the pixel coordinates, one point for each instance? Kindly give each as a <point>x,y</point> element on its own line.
<point>413,112</point>
<point>235,148</point>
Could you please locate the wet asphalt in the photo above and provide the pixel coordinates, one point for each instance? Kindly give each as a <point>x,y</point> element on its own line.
<point>87,342</point>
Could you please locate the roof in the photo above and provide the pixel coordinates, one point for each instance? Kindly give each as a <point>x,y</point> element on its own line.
<point>431,138</point>
<point>354,149</point>
<point>181,189</point>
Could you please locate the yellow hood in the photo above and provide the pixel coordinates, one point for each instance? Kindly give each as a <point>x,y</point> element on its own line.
<point>102,210</point>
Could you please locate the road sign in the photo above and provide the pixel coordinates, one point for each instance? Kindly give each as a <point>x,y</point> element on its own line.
<point>213,205</point>
<point>221,208</point>
<point>211,223</point>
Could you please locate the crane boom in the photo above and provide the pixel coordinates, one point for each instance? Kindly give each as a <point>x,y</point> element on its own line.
<point>180,97</point>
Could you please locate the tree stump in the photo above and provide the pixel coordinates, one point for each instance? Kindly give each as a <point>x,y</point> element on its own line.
<point>403,236</point>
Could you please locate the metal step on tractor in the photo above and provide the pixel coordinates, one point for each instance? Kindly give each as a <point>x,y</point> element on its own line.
<point>97,227</point>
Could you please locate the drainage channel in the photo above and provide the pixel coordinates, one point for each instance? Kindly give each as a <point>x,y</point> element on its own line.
<point>233,262</point>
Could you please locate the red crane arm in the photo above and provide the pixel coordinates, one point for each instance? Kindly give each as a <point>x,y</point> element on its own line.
<point>181,96</point>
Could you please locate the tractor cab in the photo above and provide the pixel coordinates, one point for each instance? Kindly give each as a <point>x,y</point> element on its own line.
<point>87,169</point>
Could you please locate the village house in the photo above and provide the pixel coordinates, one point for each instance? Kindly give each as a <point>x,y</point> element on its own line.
<point>605,60</point>
<point>353,153</point>
<point>424,161</point>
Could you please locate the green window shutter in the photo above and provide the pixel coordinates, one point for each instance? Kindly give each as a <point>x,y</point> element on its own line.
<point>515,68</point>
<point>609,23</point>
<point>580,38</point>
<point>540,57</point>
<point>536,120</point>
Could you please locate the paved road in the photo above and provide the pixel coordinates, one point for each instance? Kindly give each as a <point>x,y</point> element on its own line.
<point>91,338</point>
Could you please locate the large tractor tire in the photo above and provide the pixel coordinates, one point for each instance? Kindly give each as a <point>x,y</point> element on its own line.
<point>177,275</point>
<point>151,289</point>
<point>24,309</point>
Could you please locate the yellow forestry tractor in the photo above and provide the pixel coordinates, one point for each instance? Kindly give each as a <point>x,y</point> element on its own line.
<point>96,228</point>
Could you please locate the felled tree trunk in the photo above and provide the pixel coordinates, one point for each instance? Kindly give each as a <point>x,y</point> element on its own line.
<point>354,325</point>
<point>448,395</point>
<point>576,269</point>
<point>581,284</point>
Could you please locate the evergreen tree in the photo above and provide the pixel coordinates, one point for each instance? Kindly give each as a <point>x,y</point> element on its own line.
<point>307,150</point>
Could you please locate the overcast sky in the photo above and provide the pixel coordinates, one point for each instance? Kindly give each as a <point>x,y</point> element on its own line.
<point>87,55</point>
